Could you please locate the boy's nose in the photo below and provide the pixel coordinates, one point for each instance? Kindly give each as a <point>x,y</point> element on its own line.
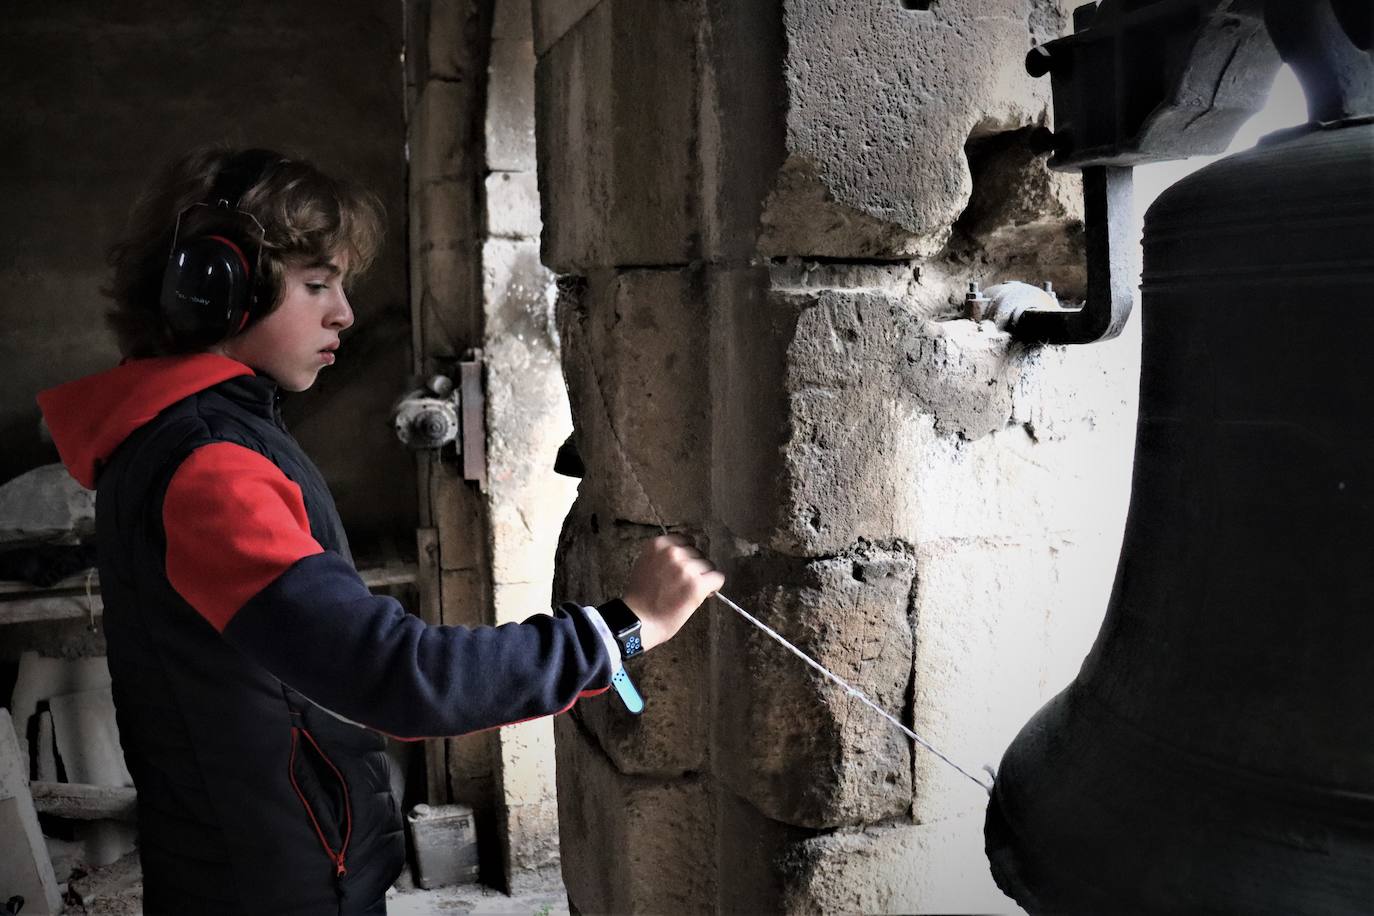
<point>341,317</point>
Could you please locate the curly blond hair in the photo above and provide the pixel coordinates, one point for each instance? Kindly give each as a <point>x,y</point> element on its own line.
<point>306,217</point>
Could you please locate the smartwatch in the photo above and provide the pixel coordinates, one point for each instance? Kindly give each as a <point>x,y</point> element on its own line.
<point>624,625</point>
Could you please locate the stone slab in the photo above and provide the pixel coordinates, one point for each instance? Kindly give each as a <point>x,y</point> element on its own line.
<point>874,86</point>
<point>85,802</point>
<point>929,868</point>
<point>848,412</point>
<point>44,755</point>
<point>41,678</point>
<point>88,739</point>
<point>670,737</point>
<point>510,105</point>
<point>513,205</point>
<point>88,743</point>
<point>798,747</point>
<point>513,19</point>
<point>617,133</point>
<point>45,505</point>
<point>631,843</point>
<point>637,362</point>
<point>25,868</point>
<point>553,19</point>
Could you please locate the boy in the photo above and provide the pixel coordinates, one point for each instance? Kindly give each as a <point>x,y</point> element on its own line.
<point>252,669</point>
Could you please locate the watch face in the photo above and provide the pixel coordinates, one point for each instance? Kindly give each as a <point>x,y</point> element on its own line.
<point>618,616</point>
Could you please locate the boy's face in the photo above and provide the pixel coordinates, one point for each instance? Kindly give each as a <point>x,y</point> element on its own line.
<point>299,337</point>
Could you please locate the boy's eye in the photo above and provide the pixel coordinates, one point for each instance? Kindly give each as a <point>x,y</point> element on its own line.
<point>317,287</point>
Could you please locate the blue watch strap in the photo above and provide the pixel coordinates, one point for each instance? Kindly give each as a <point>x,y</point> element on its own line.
<point>626,688</point>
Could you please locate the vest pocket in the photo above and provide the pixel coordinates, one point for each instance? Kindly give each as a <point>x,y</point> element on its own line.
<point>324,794</point>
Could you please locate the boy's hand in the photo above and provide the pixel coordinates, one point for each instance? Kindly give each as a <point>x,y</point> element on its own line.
<point>668,582</point>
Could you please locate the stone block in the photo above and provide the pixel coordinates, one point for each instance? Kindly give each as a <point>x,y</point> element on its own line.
<point>88,743</point>
<point>636,358</point>
<point>553,19</point>
<point>527,761</point>
<point>986,614</point>
<point>531,832</point>
<point>826,397</point>
<point>513,205</point>
<point>1022,220</point>
<point>448,32</point>
<point>510,105</point>
<point>445,216</point>
<point>631,844</point>
<point>25,868</point>
<point>88,739</point>
<point>529,813</point>
<point>518,294</point>
<point>750,331</point>
<point>617,130</point>
<point>874,87</point>
<point>41,678</point>
<point>841,411</point>
<point>670,737</point>
<point>45,505</point>
<point>527,412</point>
<point>795,745</point>
<point>749,847</point>
<point>512,19</point>
<point>441,133</point>
<point>928,868</point>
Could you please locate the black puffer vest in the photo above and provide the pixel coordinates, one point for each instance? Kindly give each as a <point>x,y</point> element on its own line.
<point>251,798</point>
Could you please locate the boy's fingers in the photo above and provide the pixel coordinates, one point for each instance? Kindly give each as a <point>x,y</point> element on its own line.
<point>712,582</point>
<point>698,566</point>
<point>676,540</point>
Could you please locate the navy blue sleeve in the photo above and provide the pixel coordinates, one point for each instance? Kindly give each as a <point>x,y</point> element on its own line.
<point>318,629</point>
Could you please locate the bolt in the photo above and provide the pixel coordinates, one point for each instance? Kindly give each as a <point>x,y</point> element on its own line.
<point>431,426</point>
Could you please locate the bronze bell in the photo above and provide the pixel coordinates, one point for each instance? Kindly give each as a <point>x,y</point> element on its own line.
<point>1216,752</point>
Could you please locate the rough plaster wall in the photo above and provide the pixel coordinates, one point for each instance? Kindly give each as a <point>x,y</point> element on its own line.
<point>767,215</point>
<point>97,95</point>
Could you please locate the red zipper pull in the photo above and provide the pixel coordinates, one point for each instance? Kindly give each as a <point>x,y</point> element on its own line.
<point>341,871</point>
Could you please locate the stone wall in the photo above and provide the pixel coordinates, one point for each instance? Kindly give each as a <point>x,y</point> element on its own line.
<point>527,419</point>
<point>480,291</point>
<point>765,216</point>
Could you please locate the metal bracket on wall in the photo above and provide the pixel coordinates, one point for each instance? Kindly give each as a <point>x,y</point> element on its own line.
<point>1140,81</point>
<point>472,400</point>
<point>445,412</point>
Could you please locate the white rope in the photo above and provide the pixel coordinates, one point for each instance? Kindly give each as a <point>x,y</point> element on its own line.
<point>849,688</point>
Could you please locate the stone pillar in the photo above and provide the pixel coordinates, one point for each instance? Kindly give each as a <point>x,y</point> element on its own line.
<point>527,420</point>
<point>479,286</point>
<point>766,215</point>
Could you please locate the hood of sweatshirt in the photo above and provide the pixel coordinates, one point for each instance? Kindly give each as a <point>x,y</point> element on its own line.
<point>90,417</point>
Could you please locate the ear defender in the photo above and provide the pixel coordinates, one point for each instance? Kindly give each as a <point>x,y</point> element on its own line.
<point>207,291</point>
<point>213,286</point>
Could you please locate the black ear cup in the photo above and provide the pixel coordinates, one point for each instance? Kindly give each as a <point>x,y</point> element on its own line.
<point>211,289</point>
<point>207,290</point>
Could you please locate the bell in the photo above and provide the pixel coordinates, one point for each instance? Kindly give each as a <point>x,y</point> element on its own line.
<point>1216,752</point>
